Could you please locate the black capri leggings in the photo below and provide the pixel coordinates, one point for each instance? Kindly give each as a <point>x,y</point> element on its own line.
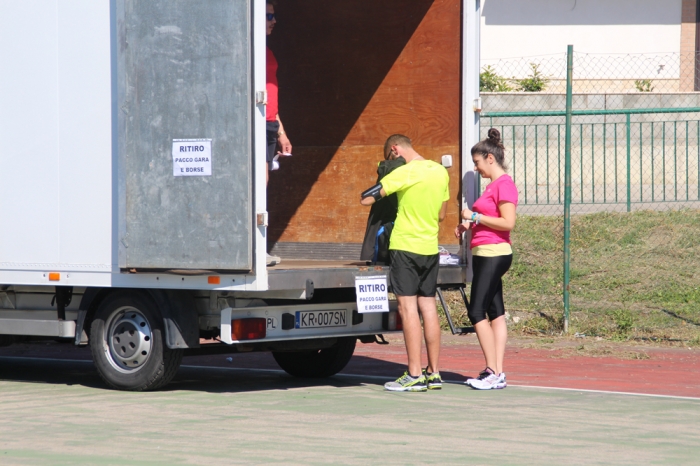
<point>487,287</point>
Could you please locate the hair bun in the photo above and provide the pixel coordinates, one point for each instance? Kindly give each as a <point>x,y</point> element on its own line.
<point>494,135</point>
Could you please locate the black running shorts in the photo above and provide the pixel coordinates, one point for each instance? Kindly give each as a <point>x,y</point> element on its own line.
<point>413,274</point>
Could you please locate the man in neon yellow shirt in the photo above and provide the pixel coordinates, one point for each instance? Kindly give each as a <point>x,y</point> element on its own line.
<point>422,188</point>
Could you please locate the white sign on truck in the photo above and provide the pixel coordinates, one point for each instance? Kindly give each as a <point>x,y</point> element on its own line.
<point>192,157</point>
<point>372,294</point>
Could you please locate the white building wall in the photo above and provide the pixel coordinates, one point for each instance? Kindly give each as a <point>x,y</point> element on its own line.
<point>530,29</point>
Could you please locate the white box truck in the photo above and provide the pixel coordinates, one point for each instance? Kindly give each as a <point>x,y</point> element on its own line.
<point>133,209</point>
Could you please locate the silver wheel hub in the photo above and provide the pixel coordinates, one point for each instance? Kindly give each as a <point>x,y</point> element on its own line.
<point>129,340</point>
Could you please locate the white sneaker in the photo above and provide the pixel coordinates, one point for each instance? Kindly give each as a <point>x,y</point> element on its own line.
<point>489,383</point>
<point>482,375</point>
<point>273,260</point>
<point>501,381</point>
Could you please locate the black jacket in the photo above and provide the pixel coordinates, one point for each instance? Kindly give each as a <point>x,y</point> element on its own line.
<point>383,211</point>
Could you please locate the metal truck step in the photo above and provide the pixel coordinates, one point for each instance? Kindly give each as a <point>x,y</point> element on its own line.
<point>38,327</point>
<point>455,330</point>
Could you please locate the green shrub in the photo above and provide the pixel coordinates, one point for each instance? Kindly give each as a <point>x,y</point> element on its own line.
<point>536,82</point>
<point>490,81</point>
<point>643,85</point>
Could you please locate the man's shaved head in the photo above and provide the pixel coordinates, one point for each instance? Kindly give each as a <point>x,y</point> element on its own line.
<point>396,140</point>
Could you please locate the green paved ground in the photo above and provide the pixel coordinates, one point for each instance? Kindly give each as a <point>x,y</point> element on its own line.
<point>209,416</point>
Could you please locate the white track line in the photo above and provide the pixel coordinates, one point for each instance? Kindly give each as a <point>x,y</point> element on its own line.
<point>609,392</point>
<point>455,382</point>
<point>381,377</point>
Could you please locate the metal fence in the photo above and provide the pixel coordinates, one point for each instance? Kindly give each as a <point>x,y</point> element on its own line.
<point>616,165</point>
<point>587,134</point>
<point>608,73</point>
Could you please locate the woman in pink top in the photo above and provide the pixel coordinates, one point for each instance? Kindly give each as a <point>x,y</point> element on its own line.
<point>491,220</point>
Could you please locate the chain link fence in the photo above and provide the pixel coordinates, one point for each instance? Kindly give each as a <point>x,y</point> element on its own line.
<point>634,177</point>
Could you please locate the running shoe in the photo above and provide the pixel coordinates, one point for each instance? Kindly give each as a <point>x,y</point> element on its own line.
<point>406,383</point>
<point>490,382</point>
<point>482,375</point>
<point>501,381</point>
<point>434,381</point>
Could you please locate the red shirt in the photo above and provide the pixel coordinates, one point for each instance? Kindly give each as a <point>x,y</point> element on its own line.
<point>272,106</point>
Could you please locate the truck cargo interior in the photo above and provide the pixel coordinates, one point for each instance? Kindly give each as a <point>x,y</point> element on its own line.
<point>350,74</point>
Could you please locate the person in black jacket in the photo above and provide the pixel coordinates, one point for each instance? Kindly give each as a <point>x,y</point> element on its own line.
<point>382,214</point>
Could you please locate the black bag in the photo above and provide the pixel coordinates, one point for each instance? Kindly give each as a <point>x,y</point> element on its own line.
<point>381,214</point>
<point>381,244</point>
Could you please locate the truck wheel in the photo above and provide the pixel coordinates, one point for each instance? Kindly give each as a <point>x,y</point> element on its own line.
<point>127,343</point>
<point>317,363</point>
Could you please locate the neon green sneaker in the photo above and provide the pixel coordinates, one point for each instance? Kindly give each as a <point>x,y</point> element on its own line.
<point>406,383</point>
<point>433,381</point>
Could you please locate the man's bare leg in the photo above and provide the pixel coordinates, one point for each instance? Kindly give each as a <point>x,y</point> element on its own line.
<point>408,309</point>
<point>431,327</point>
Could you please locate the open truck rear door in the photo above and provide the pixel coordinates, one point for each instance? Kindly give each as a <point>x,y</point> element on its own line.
<point>185,109</point>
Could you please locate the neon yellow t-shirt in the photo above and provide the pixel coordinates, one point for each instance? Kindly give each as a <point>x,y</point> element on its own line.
<point>421,187</point>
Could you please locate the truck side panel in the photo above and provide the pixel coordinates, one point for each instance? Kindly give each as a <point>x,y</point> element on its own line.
<point>55,123</point>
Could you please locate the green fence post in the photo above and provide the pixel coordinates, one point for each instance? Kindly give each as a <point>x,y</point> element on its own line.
<point>629,164</point>
<point>567,182</point>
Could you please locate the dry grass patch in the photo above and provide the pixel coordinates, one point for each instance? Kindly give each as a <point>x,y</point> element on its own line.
<point>634,277</point>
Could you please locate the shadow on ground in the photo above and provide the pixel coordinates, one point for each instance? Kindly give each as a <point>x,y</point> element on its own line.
<point>219,376</point>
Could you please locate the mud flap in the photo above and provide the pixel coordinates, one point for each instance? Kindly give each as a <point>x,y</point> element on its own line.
<point>179,317</point>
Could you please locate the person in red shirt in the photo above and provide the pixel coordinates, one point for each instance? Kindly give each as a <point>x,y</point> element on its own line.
<point>491,220</point>
<point>275,130</point>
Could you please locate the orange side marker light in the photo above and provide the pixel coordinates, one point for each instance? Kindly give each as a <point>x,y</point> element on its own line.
<point>214,280</point>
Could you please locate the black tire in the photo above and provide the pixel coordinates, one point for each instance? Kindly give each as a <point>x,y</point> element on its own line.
<point>317,363</point>
<point>128,345</point>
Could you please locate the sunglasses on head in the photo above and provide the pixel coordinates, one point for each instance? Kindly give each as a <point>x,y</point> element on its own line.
<point>270,16</point>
